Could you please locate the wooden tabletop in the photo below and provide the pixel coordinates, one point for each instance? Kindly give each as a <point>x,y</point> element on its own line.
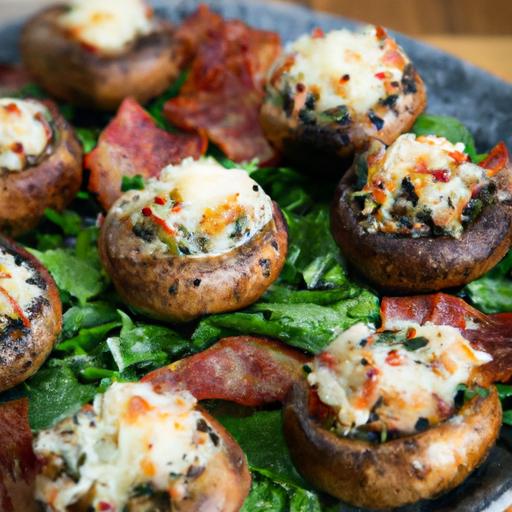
<point>482,36</point>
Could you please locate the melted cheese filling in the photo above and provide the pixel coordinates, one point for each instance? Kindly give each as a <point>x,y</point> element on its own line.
<point>108,25</point>
<point>389,381</point>
<point>131,437</point>
<point>18,289</point>
<point>200,207</point>
<point>355,69</point>
<point>421,179</point>
<point>24,132</point>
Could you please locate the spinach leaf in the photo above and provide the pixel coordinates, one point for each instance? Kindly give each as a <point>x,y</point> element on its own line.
<point>88,137</point>
<point>155,108</point>
<point>145,345</point>
<point>55,393</point>
<point>492,293</point>
<point>450,128</point>
<point>306,326</point>
<point>87,339</point>
<point>88,315</point>
<point>269,496</point>
<point>65,267</point>
<point>261,437</point>
<point>132,183</point>
<point>69,221</point>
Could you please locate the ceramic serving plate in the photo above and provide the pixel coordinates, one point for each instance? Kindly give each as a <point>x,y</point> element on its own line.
<point>456,88</point>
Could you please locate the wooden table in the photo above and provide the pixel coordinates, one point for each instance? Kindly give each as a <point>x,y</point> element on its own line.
<point>493,53</point>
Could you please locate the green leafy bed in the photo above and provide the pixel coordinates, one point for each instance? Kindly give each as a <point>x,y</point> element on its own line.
<point>104,341</point>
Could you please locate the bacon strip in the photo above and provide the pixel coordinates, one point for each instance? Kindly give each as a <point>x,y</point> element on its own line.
<point>18,464</point>
<point>490,333</point>
<point>224,90</point>
<point>244,369</point>
<point>132,144</point>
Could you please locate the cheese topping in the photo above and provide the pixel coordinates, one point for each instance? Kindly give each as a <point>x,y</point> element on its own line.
<point>20,287</point>
<point>107,25</point>
<point>422,186</point>
<point>399,381</point>
<point>25,133</point>
<point>198,207</point>
<point>132,442</point>
<point>364,72</point>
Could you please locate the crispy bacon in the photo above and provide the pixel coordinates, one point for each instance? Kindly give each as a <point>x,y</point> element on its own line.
<point>18,463</point>
<point>224,90</point>
<point>490,333</point>
<point>132,144</point>
<point>497,159</point>
<point>244,369</point>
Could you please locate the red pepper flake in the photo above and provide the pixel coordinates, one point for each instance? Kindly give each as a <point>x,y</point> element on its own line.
<point>317,33</point>
<point>345,78</point>
<point>159,200</point>
<point>317,408</point>
<point>17,147</point>
<point>327,359</point>
<point>12,108</point>
<point>394,358</point>
<point>5,275</point>
<point>411,333</point>
<point>146,211</point>
<point>380,32</point>
<point>103,505</point>
<point>300,87</point>
<point>381,75</point>
<point>458,156</point>
<point>442,175</point>
<point>176,208</point>
<point>15,306</point>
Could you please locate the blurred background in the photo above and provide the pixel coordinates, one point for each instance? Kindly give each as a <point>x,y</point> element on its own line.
<point>479,31</point>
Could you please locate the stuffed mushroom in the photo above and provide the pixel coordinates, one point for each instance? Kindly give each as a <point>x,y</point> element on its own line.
<point>30,314</point>
<point>95,53</point>
<point>329,93</point>
<point>387,418</point>
<point>40,163</point>
<point>140,451</point>
<point>420,216</point>
<point>200,239</point>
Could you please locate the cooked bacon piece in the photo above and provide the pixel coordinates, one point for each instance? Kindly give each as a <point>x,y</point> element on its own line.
<point>18,464</point>
<point>194,29</point>
<point>497,159</point>
<point>12,77</point>
<point>490,333</point>
<point>132,144</point>
<point>244,369</point>
<point>224,90</point>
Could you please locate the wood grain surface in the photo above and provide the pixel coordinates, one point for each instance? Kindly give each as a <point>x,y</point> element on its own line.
<point>479,31</point>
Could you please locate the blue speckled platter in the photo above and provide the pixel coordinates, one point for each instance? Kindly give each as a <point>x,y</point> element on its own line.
<point>479,100</point>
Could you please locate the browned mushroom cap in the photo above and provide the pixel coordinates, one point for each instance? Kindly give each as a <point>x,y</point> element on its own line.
<point>26,342</point>
<point>69,71</point>
<point>181,288</point>
<point>52,183</point>
<point>397,472</point>
<point>402,264</point>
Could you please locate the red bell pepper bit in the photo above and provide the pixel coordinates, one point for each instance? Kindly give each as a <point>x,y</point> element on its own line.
<point>317,33</point>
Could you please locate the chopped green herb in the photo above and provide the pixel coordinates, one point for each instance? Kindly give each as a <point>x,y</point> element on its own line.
<point>415,343</point>
<point>132,183</point>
